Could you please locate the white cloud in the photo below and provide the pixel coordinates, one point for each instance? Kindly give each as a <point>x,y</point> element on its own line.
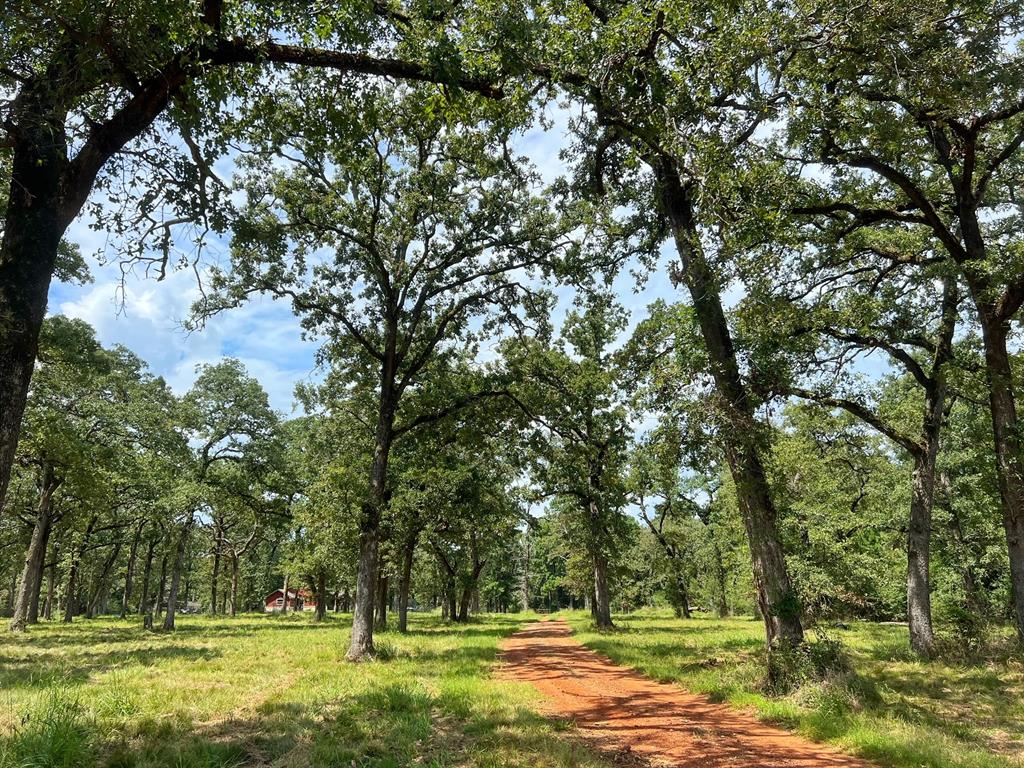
<point>147,318</point>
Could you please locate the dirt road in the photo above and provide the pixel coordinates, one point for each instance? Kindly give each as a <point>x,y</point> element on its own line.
<point>628,714</point>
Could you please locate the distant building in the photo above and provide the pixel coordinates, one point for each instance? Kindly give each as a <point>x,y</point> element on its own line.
<point>300,600</point>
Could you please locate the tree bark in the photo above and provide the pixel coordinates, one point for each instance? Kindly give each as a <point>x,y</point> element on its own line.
<point>33,228</point>
<point>602,599</point>
<point>179,560</point>
<point>682,606</point>
<point>213,578</point>
<point>76,564</point>
<point>361,644</point>
<point>919,608</point>
<point>98,599</point>
<point>722,608</point>
<point>234,585</point>
<point>405,580</point>
<point>922,498</point>
<point>1009,461</point>
<point>26,600</point>
<point>284,589</point>
<point>161,595</point>
<point>380,623</point>
<point>464,600</point>
<point>51,591</point>
<point>321,597</point>
<point>451,609</point>
<point>147,569</point>
<point>129,575</point>
<point>741,435</point>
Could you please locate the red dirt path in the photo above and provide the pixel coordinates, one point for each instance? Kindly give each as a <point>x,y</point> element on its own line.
<point>625,712</point>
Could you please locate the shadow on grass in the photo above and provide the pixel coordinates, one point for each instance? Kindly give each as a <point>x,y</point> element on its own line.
<point>394,724</point>
<point>30,672</point>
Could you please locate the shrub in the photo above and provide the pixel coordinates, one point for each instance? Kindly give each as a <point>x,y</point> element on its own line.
<point>791,666</point>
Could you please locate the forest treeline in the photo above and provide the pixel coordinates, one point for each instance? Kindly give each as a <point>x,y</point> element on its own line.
<point>822,423</point>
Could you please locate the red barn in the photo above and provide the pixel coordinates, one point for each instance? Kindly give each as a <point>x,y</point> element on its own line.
<point>297,601</point>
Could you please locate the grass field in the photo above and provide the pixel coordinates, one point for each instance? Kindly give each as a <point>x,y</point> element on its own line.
<point>267,691</point>
<point>276,691</point>
<point>893,709</point>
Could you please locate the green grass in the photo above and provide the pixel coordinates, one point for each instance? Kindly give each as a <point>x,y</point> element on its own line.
<point>893,708</point>
<point>267,691</point>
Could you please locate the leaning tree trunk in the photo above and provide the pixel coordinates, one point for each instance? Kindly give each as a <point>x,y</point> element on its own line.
<point>34,225</point>
<point>179,560</point>
<point>741,435</point>
<point>27,593</point>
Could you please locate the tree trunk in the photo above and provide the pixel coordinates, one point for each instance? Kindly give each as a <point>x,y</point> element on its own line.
<point>37,583</point>
<point>525,582</point>
<point>1009,461</point>
<point>284,589</point>
<point>361,644</point>
<point>919,609</point>
<point>602,599</point>
<point>129,574</point>
<point>147,569</point>
<point>76,564</point>
<point>380,623</point>
<point>34,224</point>
<point>721,581</point>
<point>451,607</point>
<point>26,601</point>
<point>51,590</point>
<point>682,606</point>
<point>234,585</point>
<point>321,597</point>
<point>161,598</point>
<point>98,599</point>
<point>405,581</point>
<point>601,611</point>
<point>179,560</point>
<point>922,497</point>
<point>741,435</point>
<point>464,600</point>
<point>213,579</point>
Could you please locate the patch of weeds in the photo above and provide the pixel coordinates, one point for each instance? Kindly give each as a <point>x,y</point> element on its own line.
<point>57,734</point>
<point>385,650</point>
<point>788,666</point>
<point>118,699</point>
